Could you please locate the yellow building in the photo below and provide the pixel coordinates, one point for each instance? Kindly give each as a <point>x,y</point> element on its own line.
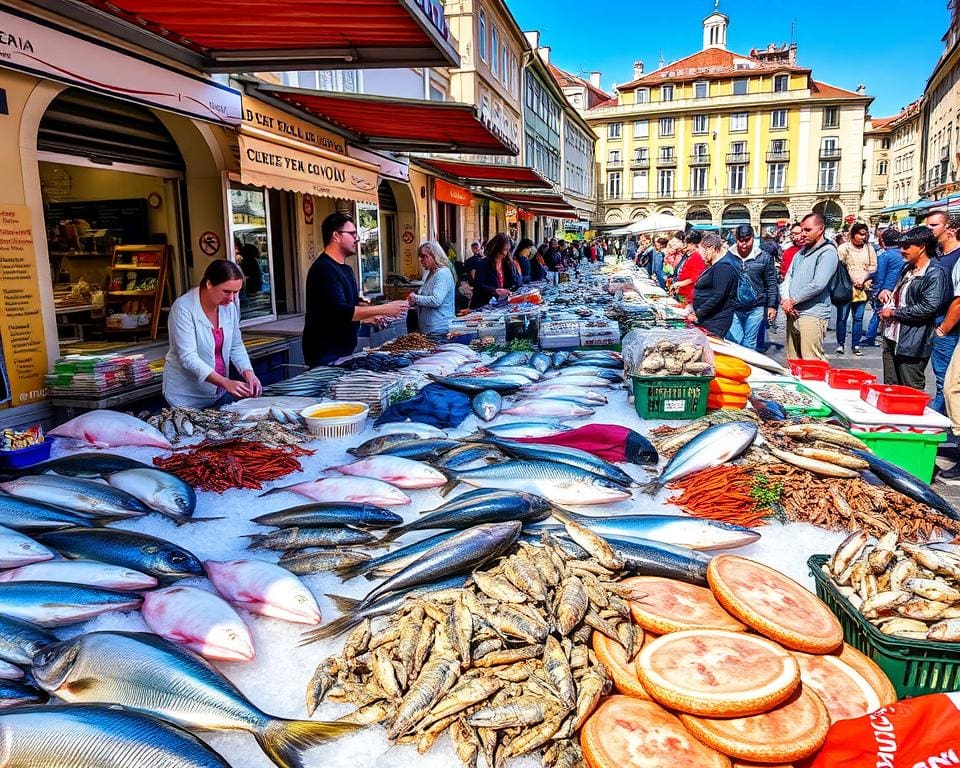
<point>876,168</point>
<point>722,139</point>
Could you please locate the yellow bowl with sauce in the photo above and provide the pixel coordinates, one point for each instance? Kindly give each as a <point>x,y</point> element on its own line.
<point>338,418</point>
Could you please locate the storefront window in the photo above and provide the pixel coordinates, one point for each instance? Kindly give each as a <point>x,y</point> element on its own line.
<point>368,225</point>
<point>250,229</point>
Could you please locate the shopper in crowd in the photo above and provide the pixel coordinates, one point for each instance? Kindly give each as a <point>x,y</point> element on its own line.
<point>861,261</point>
<point>890,263</point>
<point>433,301</point>
<point>495,278</point>
<point>645,254</point>
<point>946,229</point>
<point>250,264</point>
<point>538,265</point>
<point>796,240</point>
<point>204,338</point>
<point>671,257</point>
<point>630,249</point>
<point>909,311</point>
<point>473,261</point>
<point>951,384</point>
<point>657,259</point>
<point>715,291</point>
<point>805,291</point>
<point>553,254</point>
<point>521,257</point>
<point>333,307</point>
<point>690,268</point>
<point>758,295</point>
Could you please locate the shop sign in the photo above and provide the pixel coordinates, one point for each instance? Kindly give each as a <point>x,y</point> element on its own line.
<point>266,164</point>
<point>451,193</point>
<point>434,11</point>
<point>94,65</point>
<point>23,362</point>
<point>209,242</point>
<point>257,114</point>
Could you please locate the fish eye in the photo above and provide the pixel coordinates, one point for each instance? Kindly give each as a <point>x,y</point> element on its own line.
<point>177,558</point>
<point>44,657</point>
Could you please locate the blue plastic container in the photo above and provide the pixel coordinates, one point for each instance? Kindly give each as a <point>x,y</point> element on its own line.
<point>26,457</point>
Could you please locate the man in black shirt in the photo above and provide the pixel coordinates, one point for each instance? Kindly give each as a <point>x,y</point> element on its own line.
<point>333,309</point>
<point>473,261</point>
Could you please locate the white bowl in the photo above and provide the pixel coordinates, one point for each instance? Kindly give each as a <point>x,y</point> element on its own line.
<point>335,426</point>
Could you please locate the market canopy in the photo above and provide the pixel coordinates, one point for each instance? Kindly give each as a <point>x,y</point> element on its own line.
<point>490,174</point>
<point>402,125</point>
<point>263,35</point>
<point>657,222</point>
<point>543,204</point>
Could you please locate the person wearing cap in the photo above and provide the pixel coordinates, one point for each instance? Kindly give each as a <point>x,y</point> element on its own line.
<point>758,269</point>
<point>806,291</point>
<point>910,309</point>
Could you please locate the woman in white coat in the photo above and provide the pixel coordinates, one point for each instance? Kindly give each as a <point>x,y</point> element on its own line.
<point>204,330</point>
<point>434,300</point>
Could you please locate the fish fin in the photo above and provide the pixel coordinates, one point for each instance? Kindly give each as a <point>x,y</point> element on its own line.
<point>452,481</point>
<point>561,514</point>
<point>80,685</point>
<point>178,521</point>
<point>344,604</point>
<point>285,740</point>
<point>347,572</point>
<point>331,629</point>
<point>392,535</point>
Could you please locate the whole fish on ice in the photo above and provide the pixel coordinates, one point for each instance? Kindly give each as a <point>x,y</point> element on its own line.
<point>88,464</point>
<point>562,409</point>
<point>198,620</point>
<point>487,404</point>
<point>573,456</point>
<point>160,491</point>
<point>356,489</point>
<point>88,497</point>
<point>28,516</point>
<point>331,513</point>
<point>50,604</point>
<point>152,555</point>
<point>907,484</point>
<point>18,549</point>
<point>110,429</point>
<point>21,640</point>
<point>153,676</point>
<point>399,472</point>
<point>539,428</point>
<point>713,447</point>
<point>265,589</point>
<point>89,572</point>
<point>82,736</point>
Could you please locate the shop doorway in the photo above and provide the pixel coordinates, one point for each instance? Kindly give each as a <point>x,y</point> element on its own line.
<point>251,231</point>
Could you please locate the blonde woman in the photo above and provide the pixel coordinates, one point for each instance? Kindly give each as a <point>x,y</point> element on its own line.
<point>434,300</point>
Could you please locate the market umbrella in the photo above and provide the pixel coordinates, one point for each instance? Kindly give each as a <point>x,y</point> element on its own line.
<point>658,222</point>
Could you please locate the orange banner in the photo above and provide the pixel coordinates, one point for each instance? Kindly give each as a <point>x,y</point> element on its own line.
<point>451,193</point>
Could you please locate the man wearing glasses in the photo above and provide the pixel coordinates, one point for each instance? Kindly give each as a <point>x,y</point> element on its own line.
<point>333,308</point>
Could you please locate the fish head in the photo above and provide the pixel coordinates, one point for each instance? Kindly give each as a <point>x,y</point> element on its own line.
<point>226,641</point>
<point>539,507</point>
<point>52,666</point>
<point>20,550</point>
<point>170,561</point>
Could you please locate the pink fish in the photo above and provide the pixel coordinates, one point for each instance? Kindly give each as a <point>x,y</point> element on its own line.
<point>199,620</point>
<point>264,588</point>
<point>107,429</point>
<point>359,489</point>
<point>400,472</point>
<point>547,407</point>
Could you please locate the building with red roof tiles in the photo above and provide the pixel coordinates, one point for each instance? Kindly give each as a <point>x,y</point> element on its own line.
<point>723,138</point>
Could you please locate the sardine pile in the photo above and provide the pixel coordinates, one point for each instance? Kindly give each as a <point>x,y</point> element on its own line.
<point>503,664</point>
<point>906,590</point>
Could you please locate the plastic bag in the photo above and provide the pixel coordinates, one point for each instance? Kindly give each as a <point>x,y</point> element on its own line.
<point>924,731</point>
<point>667,352</point>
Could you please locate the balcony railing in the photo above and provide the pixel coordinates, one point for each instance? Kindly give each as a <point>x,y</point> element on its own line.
<point>667,162</point>
<point>829,187</point>
<point>640,196</point>
<point>782,189</point>
<point>738,158</point>
<point>698,193</point>
<point>640,162</point>
<point>779,157</point>
<point>663,194</point>
<point>699,159</point>
<point>614,163</point>
<point>738,191</point>
<point>830,154</point>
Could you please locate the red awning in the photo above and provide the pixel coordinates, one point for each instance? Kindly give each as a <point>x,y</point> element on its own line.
<point>490,174</point>
<point>544,205</point>
<point>265,35</point>
<point>403,125</point>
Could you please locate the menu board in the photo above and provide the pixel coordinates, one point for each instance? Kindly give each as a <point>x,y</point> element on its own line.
<point>125,219</point>
<point>23,363</point>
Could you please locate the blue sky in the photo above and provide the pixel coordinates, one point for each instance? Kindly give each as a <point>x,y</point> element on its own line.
<point>890,46</point>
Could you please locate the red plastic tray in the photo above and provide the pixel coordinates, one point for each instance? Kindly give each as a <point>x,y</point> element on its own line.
<point>812,370</point>
<point>849,378</point>
<point>904,401</point>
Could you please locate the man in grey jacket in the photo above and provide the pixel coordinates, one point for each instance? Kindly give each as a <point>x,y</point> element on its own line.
<point>805,291</point>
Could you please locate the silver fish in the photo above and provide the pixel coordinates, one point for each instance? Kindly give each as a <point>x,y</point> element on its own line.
<point>152,675</point>
<point>161,491</point>
<point>678,530</point>
<point>32,516</point>
<point>511,429</point>
<point>87,497</point>
<point>714,446</point>
<point>68,736</point>
<point>52,604</point>
<point>487,404</point>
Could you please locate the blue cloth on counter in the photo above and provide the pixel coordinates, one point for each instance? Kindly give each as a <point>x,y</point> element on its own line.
<point>436,405</point>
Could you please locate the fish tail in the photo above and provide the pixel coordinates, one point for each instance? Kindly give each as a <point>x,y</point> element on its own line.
<point>284,741</point>
<point>275,490</point>
<point>344,604</point>
<point>178,521</point>
<point>651,488</point>
<point>331,629</point>
<point>452,481</point>
<point>351,570</point>
<point>392,535</point>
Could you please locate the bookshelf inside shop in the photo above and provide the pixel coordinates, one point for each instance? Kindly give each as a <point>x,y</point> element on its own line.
<point>137,292</point>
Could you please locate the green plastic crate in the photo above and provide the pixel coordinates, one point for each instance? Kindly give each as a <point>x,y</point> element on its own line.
<point>911,452</point>
<point>816,412</point>
<point>671,397</point>
<point>915,667</point>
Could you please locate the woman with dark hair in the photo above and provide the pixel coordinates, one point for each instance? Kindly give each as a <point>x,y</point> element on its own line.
<point>521,257</point>
<point>204,330</point>
<point>495,277</point>
<point>910,309</point>
<point>861,261</point>
<point>250,264</point>
<point>715,292</point>
<point>538,264</point>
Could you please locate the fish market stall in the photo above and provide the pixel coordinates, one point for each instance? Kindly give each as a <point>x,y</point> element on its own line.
<point>558,549</point>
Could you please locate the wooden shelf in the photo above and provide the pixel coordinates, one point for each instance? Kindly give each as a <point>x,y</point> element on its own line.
<point>154,297</point>
<point>123,268</point>
<point>79,254</point>
<point>131,294</point>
